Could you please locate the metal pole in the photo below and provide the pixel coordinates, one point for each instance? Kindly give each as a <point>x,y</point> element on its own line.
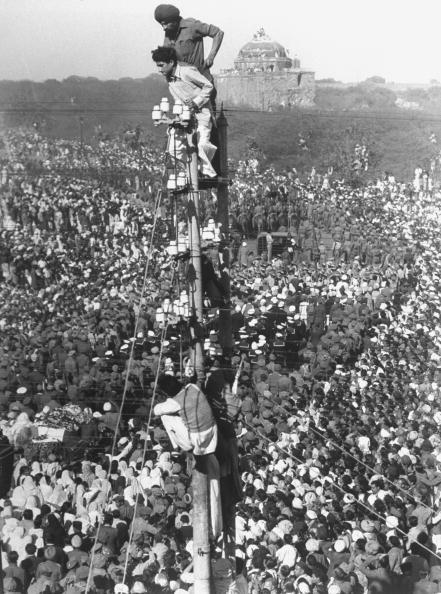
<point>201,531</point>
<point>225,322</point>
<point>195,251</point>
<point>225,325</point>
<point>81,136</point>
<point>1,567</point>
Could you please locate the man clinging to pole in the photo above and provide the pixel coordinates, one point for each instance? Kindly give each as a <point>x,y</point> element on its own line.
<point>187,84</point>
<point>187,37</point>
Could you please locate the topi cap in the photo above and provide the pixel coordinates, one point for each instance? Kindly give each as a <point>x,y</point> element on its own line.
<point>339,546</point>
<point>138,588</point>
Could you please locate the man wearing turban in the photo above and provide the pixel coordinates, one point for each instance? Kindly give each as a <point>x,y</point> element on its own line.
<point>187,37</point>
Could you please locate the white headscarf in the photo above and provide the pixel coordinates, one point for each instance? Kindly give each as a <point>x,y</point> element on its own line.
<point>45,488</point>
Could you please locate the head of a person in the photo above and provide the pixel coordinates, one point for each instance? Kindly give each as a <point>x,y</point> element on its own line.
<point>340,574</point>
<point>30,549</point>
<point>165,58</point>
<point>52,521</point>
<point>168,16</point>
<point>12,557</point>
<point>413,521</point>
<point>28,514</point>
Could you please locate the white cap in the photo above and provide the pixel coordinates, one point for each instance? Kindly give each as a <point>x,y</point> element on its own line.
<point>391,521</point>
<point>297,503</point>
<point>339,546</point>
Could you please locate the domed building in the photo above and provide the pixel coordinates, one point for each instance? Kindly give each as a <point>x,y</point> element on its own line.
<point>265,77</point>
<point>261,54</point>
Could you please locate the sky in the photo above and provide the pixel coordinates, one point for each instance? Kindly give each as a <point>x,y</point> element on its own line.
<point>348,40</point>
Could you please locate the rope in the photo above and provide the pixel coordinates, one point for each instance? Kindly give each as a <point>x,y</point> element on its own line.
<point>132,348</point>
<point>126,561</point>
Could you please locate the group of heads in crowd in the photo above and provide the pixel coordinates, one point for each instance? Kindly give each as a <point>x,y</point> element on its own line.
<point>338,339</point>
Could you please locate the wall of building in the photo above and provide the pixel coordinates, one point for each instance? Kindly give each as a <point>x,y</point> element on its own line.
<point>266,91</point>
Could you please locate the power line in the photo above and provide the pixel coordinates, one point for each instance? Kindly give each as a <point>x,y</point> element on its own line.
<point>126,383</point>
<point>337,486</point>
<point>294,114</point>
<point>346,453</point>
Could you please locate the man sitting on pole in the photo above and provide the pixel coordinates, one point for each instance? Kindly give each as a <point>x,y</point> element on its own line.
<point>189,86</point>
<point>188,419</point>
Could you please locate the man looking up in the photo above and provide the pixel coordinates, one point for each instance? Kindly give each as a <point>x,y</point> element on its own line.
<point>187,84</point>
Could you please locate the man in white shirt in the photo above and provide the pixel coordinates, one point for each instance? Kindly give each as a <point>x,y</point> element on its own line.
<point>287,554</point>
<point>189,86</point>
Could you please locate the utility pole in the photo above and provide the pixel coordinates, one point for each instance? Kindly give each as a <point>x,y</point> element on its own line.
<point>225,322</point>
<point>1,568</point>
<point>81,136</point>
<point>201,504</point>
<point>225,326</point>
<point>201,529</point>
<point>200,483</point>
<point>195,250</point>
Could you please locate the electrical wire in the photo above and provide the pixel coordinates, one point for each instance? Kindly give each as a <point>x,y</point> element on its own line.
<point>162,345</point>
<point>67,109</point>
<point>126,561</point>
<point>138,317</point>
<point>372,470</point>
<point>334,484</point>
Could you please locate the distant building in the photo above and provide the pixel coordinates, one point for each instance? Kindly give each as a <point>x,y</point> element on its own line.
<point>265,77</point>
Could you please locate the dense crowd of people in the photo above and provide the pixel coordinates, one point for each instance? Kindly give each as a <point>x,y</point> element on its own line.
<point>337,353</point>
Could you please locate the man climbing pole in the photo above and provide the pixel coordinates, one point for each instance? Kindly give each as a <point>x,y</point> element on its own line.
<point>188,419</point>
<point>186,36</point>
<point>189,86</point>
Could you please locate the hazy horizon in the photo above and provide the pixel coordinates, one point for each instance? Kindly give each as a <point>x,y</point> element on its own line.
<point>112,39</point>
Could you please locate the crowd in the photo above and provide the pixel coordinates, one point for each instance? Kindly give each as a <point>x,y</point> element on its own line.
<point>339,353</point>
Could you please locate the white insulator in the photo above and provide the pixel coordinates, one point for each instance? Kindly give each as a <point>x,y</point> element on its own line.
<point>182,244</point>
<point>182,180</point>
<point>172,248</point>
<point>164,105</point>
<point>177,107</point>
<point>207,234</point>
<point>186,114</point>
<point>171,183</point>
<point>156,113</point>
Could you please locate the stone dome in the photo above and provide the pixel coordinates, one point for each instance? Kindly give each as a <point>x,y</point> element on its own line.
<point>262,54</point>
